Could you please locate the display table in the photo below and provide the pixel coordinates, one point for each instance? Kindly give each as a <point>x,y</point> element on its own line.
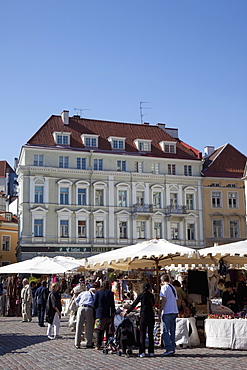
<point>226,333</point>
<point>182,337</point>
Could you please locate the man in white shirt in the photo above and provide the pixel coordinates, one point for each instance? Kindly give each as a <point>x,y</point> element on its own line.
<point>85,312</point>
<point>26,299</point>
<point>168,312</point>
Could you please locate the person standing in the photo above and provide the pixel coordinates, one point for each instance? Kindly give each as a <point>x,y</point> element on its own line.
<point>26,300</point>
<point>146,319</point>
<point>169,313</point>
<point>85,312</point>
<point>41,297</point>
<point>105,310</point>
<point>53,311</point>
<point>34,287</point>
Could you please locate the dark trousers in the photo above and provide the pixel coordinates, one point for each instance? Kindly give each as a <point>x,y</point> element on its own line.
<point>41,313</point>
<point>146,322</point>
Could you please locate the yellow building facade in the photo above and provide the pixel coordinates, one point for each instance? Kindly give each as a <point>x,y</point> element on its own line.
<point>224,196</point>
<point>8,238</point>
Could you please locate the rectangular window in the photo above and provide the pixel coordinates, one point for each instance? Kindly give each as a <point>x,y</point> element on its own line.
<point>81,229</point>
<point>99,229</point>
<point>63,162</point>
<point>98,164</point>
<point>140,197</point>
<point>91,141</point>
<point>190,232</point>
<point>155,168</point>
<point>190,201</point>
<point>232,199</point>
<point>234,229</point>
<point>64,195</point>
<point>81,163</point>
<point>157,199</point>
<point>174,200</point>
<point>82,197</point>
<point>158,230</point>
<point>39,194</point>
<point>140,229</point>
<point>144,146</point>
<point>38,228</point>
<point>122,198</point>
<point>174,230</point>
<point>217,228</point>
<point>118,144</point>
<point>216,199</point>
<point>123,230</point>
<point>99,197</point>
<point>138,167</point>
<point>6,243</point>
<point>169,148</point>
<point>171,169</point>
<point>64,228</point>
<point>187,170</point>
<point>63,139</point>
<point>38,160</point>
<point>121,166</point>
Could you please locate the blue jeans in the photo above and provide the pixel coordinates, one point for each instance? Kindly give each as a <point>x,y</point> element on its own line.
<point>169,327</point>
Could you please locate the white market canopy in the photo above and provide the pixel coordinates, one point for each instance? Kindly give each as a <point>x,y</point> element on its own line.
<point>233,253</point>
<point>151,253</point>
<point>39,265</point>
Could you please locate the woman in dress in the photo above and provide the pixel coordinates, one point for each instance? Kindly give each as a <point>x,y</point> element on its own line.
<point>105,310</point>
<point>53,311</point>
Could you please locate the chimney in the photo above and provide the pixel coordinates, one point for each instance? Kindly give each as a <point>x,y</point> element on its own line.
<point>65,117</point>
<point>208,150</point>
<point>145,123</point>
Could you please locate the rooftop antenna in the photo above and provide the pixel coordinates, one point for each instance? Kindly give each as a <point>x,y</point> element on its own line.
<point>141,108</point>
<point>80,110</point>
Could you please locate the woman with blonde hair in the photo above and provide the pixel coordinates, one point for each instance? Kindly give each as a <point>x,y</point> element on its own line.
<point>53,311</point>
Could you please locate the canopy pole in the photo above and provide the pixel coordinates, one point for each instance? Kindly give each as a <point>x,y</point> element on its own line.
<point>157,280</point>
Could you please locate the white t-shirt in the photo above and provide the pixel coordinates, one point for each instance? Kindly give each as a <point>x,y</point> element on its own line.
<point>171,299</point>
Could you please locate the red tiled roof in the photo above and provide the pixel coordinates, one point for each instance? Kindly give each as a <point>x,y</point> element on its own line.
<point>3,168</point>
<point>2,218</point>
<point>78,126</point>
<point>226,161</point>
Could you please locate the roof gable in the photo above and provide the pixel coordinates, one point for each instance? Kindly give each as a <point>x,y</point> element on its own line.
<point>226,161</point>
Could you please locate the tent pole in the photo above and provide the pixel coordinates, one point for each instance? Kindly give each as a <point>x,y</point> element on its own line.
<point>157,280</point>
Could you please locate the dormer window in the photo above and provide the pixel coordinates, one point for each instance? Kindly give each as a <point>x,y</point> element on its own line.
<point>143,145</point>
<point>168,146</point>
<point>90,140</point>
<point>62,138</point>
<point>117,142</point>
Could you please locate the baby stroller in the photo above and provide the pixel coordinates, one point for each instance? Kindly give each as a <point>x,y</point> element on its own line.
<point>125,337</point>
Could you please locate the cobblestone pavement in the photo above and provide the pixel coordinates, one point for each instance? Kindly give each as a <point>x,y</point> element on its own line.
<point>24,346</point>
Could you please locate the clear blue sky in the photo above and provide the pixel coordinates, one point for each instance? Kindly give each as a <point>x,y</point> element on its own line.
<point>186,58</point>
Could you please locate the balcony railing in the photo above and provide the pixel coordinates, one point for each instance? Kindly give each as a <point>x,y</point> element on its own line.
<point>176,209</point>
<point>146,208</point>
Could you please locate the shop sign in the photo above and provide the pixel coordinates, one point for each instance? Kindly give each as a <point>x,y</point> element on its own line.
<point>73,249</point>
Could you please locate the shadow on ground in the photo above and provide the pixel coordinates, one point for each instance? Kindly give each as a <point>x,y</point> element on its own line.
<point>10,343</point>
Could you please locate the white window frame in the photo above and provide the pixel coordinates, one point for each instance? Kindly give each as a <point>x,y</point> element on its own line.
<point>91,138</point>
<point>188,170</point>
<point>117,142</point>
<point>38,160</point>
<point>168,146</point>
<point>155,168</point>
<point>217,226</point>
<point>64,160</point>
<point>82,185</point>
<point>171,169</point>
<point>82,215</point>
<point>79,165</point>
<point>65,136</point>
<point>142,230</point>
<point>121,166</point>
<point>39,213</point>
<point>123,187</point>
<point>238,229</point>
<point>143,145</point>
<point>100,186</point>
<point>64,184</point>
<point>119,229</point>
<point>64,214</point>
<point>214,204</point>
<point>158,189</point>
<point>161,229</point>
<point>99,164</point>
<point>138,166</point>
<point>178,230</point>
<point>230,200</point>
<point>190,191</point>
<point>39,181</point>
